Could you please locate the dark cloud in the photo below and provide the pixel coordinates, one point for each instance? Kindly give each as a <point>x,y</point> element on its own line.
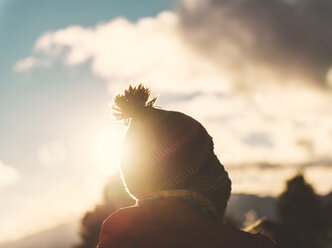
<point>321,163</point>
<point>307,145</point>
<point>293,37</point>
<point>324,162</point>
<point>260,139</point>
<point>173,97</point>
<point>260,166</point>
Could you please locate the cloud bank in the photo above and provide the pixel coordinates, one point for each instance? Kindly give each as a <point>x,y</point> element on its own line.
<point>119,52</point>
<point>29,63</point>
<point>8,175</point>
<point>255,73</point>
<point>281,37</point>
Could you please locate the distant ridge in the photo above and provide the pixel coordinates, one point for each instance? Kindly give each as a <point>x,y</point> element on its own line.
<point>240,204</point>
<point>264,207</point>
<point>61,236</point>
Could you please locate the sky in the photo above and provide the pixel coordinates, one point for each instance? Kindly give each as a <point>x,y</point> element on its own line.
<point>257,74</point>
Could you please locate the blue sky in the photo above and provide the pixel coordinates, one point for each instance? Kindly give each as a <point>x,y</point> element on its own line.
<point>255,80</point>
<point>46,105</point>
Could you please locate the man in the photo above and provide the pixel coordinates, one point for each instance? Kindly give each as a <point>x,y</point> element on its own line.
<point>181,188</point>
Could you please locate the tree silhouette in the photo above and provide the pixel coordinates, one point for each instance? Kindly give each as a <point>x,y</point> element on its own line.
<point>299,207</point>
<point>115,197</point>
<point>302,220</point>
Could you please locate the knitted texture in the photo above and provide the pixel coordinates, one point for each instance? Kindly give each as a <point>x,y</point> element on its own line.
<point>168,150</point>
<point>197,199</point>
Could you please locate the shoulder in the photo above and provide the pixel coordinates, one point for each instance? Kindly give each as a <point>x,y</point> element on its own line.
<point>263,241</point>
<point>120,220</point>
<point>127,227</point>
<point>116,229</point>
<point>246,239</point>
<point>259,240</point>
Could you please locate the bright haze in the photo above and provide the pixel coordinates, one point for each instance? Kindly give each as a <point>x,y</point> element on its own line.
<point>257,74</point>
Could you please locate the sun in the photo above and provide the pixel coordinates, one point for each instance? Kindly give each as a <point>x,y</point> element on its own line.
<point>108,150</point>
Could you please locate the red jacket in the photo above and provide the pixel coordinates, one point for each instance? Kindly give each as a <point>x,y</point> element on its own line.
<point>169,223</point>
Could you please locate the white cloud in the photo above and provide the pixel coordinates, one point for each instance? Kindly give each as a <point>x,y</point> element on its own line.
<point>254,180</point>
<point>8,175</point>
<point>270,179</point>
<point>230,119</point>
<point>51,154</point>
<point>241,102</point>
<point>28,63</point>
<point>150,51</point>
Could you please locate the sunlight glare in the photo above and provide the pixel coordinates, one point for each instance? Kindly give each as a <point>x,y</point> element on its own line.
<point>108,150</point>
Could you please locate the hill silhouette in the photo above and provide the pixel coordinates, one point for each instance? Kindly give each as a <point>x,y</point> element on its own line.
<point>303,218</point>
<point>61,236</point>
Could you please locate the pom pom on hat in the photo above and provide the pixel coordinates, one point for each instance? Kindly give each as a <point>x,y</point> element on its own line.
<point>132,102</point>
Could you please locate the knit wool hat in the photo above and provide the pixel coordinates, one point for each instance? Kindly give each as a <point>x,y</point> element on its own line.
<point>167,150</point>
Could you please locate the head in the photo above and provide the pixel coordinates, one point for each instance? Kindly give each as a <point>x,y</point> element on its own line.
<point>167,150</point>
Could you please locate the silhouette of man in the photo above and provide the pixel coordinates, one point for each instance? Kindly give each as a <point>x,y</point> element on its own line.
<point>181,188</point>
